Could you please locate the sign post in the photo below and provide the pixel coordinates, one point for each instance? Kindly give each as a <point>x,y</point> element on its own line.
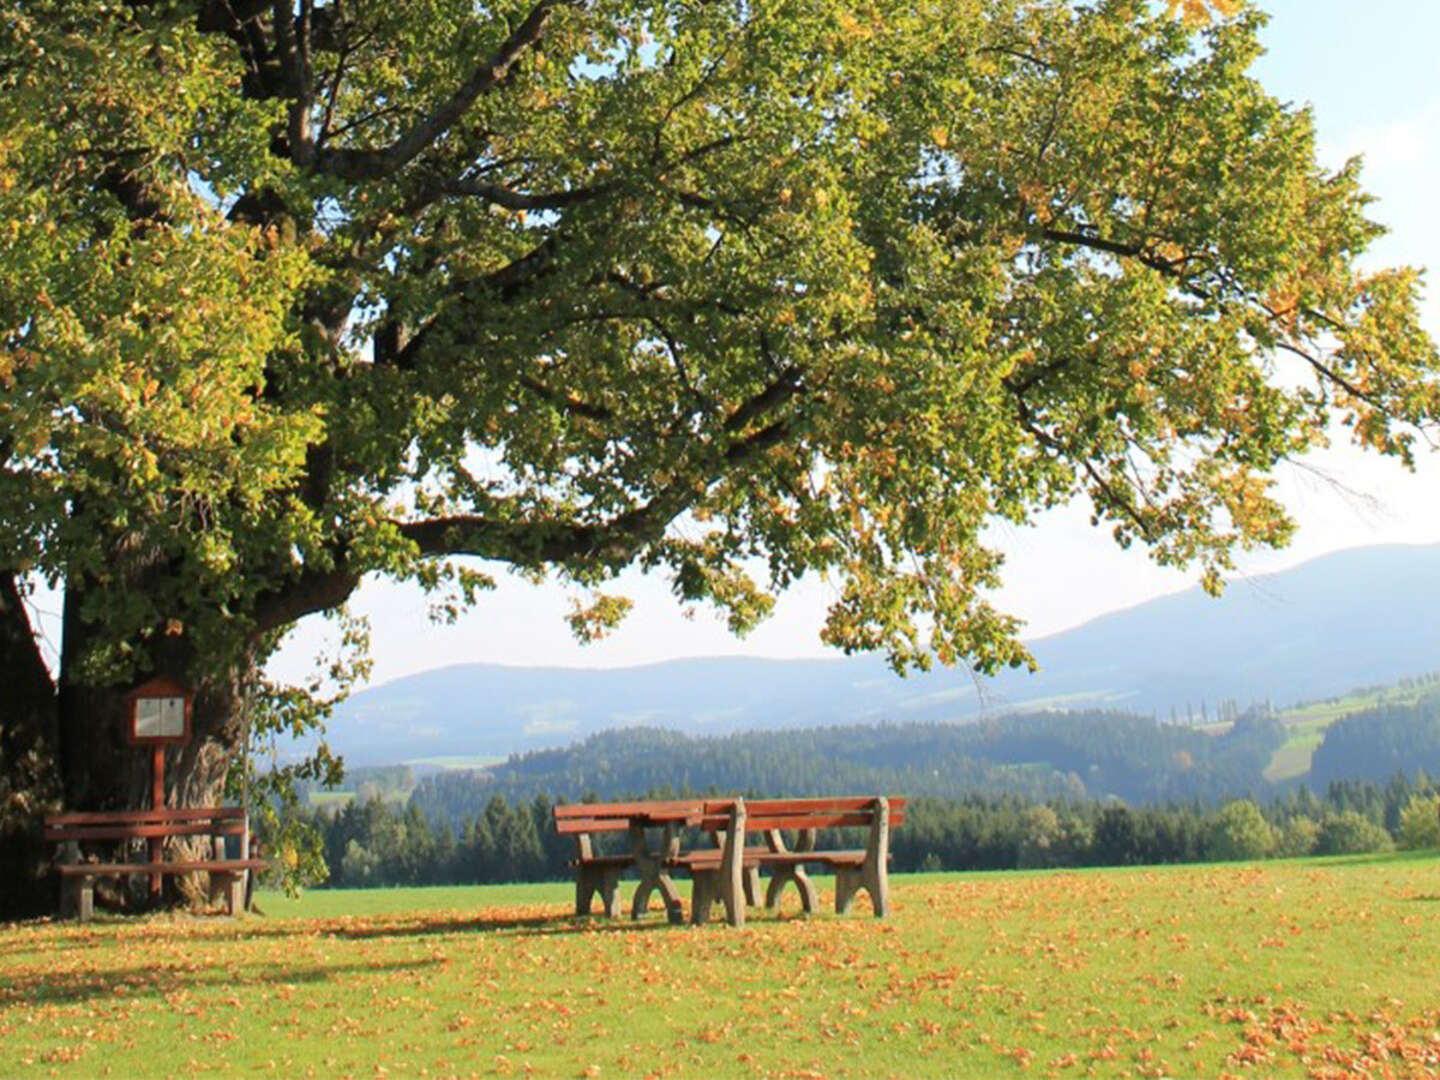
<point>159,716</point>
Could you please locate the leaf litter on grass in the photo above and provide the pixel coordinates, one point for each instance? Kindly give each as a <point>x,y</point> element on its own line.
<point>1304,969</point>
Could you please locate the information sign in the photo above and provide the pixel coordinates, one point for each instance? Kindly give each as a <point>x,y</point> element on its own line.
<point>159,713</point>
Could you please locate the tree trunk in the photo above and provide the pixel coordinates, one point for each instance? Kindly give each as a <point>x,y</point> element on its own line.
<point>101,770</point>
<point>29,780</point>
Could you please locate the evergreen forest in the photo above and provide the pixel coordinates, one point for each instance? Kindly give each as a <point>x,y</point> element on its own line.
<point>1044,790</point>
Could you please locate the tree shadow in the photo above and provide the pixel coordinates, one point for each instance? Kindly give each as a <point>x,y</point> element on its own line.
<point>1375,859</point>
<point>439,924</point>
<point>122,984</point>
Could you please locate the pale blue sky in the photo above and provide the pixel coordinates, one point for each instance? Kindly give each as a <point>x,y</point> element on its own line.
<point>1370,71</point>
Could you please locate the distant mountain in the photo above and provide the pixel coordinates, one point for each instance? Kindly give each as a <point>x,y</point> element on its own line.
<point>1359,617</point>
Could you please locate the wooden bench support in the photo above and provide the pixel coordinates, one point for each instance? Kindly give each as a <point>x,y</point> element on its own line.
<point>594,875</point>
<point>871,875</point>
<point>786,873</point>
<point>77,897</point>
<point>653,873</point>
<point>725,881</point>
<point>77,881</point>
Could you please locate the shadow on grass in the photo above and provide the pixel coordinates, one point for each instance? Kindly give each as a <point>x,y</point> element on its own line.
<point>393,925</point>
<point>123,984</point>
<point>439,924</point>
<point>1375,859</point>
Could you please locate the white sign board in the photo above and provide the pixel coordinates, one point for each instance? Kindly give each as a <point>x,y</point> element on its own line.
<point>160,718</point>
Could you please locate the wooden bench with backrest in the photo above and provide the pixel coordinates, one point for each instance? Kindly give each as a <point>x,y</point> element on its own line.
<point>124,827</point>
<point>720,873</point>
<point>865,868</point>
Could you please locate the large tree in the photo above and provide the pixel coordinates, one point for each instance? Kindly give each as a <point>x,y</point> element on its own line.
<point>292,293</point>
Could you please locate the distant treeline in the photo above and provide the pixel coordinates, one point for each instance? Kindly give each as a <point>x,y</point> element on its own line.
<point>1042,756</point>
<point>376,843</point>
<point>1051,789</point>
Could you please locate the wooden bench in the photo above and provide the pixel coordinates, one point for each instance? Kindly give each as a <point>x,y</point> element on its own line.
<point>730,871</point>
<point>714,870</point>
<point>123,827</point>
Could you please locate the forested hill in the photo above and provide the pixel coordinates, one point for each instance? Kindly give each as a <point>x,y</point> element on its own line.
<point>1357,617</point>
<point>1042,756</point>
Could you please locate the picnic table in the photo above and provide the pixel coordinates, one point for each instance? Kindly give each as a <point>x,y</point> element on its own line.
<point>729,870</point>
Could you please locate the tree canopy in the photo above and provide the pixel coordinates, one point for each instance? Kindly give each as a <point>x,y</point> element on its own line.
<point>290,294</point>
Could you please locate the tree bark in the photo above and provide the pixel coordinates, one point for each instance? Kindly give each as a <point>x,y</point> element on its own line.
<point>29,781</point>
<point>100,769</point>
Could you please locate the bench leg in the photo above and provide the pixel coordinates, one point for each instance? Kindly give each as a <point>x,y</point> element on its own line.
<point>234,886</point>
<point>731,880</point>
<point>752,886</point>
<point>872,875</point>
<point>877,884</point>
<point>592,879</point>
<point>702,895</point>
<point>610,892</point>
<point>674,908</point>
<point>77,897</point>
<point>784,875</point>
<point>847,883</point>
<point>849,880</point>
<point>728,881</point>
<point>81,901</point>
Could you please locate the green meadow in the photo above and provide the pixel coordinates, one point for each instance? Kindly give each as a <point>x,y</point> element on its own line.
<point>1319,967</point>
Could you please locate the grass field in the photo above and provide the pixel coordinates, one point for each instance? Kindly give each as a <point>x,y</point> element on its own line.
<point>1313,967</point>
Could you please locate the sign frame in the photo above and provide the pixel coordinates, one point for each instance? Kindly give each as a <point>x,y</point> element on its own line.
<point>159,689</point>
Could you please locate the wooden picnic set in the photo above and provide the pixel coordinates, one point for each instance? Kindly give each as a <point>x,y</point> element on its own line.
<point>727,869</point>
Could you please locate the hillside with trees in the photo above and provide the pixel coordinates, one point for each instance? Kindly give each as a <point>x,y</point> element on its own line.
<point>1042,756</point>
<point>1377,743</point>
<point>375,843</point>
<point>1309,632</point>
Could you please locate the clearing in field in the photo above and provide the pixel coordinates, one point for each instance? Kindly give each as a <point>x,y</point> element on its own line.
<point>1315,967</point>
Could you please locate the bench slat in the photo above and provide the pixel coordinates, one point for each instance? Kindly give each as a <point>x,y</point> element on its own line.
<point>709,858</point>
<point>139,832</point>
<point>605,860</point>
<point>755,823</point>
<point>807,806</point>
<point>188,867</point>
<point>572,826</point>
<point>627,809</point>
<point>184,814</point>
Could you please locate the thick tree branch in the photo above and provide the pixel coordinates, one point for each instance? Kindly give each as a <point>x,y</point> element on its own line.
<point>311,592</point>
<point>567,400</point>
<point>505,283</point>
<point>370,164</point>
<point>615,541</point>
<point>498,195</point>
<point>785,386</point>
<point>1325,371</point>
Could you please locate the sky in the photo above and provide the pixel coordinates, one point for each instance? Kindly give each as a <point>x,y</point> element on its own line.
<point>1368,71</point>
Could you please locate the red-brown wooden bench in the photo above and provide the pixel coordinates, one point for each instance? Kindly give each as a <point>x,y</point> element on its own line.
<point>729,872</point>
<point>713,870</point>
<point>122,827</point>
